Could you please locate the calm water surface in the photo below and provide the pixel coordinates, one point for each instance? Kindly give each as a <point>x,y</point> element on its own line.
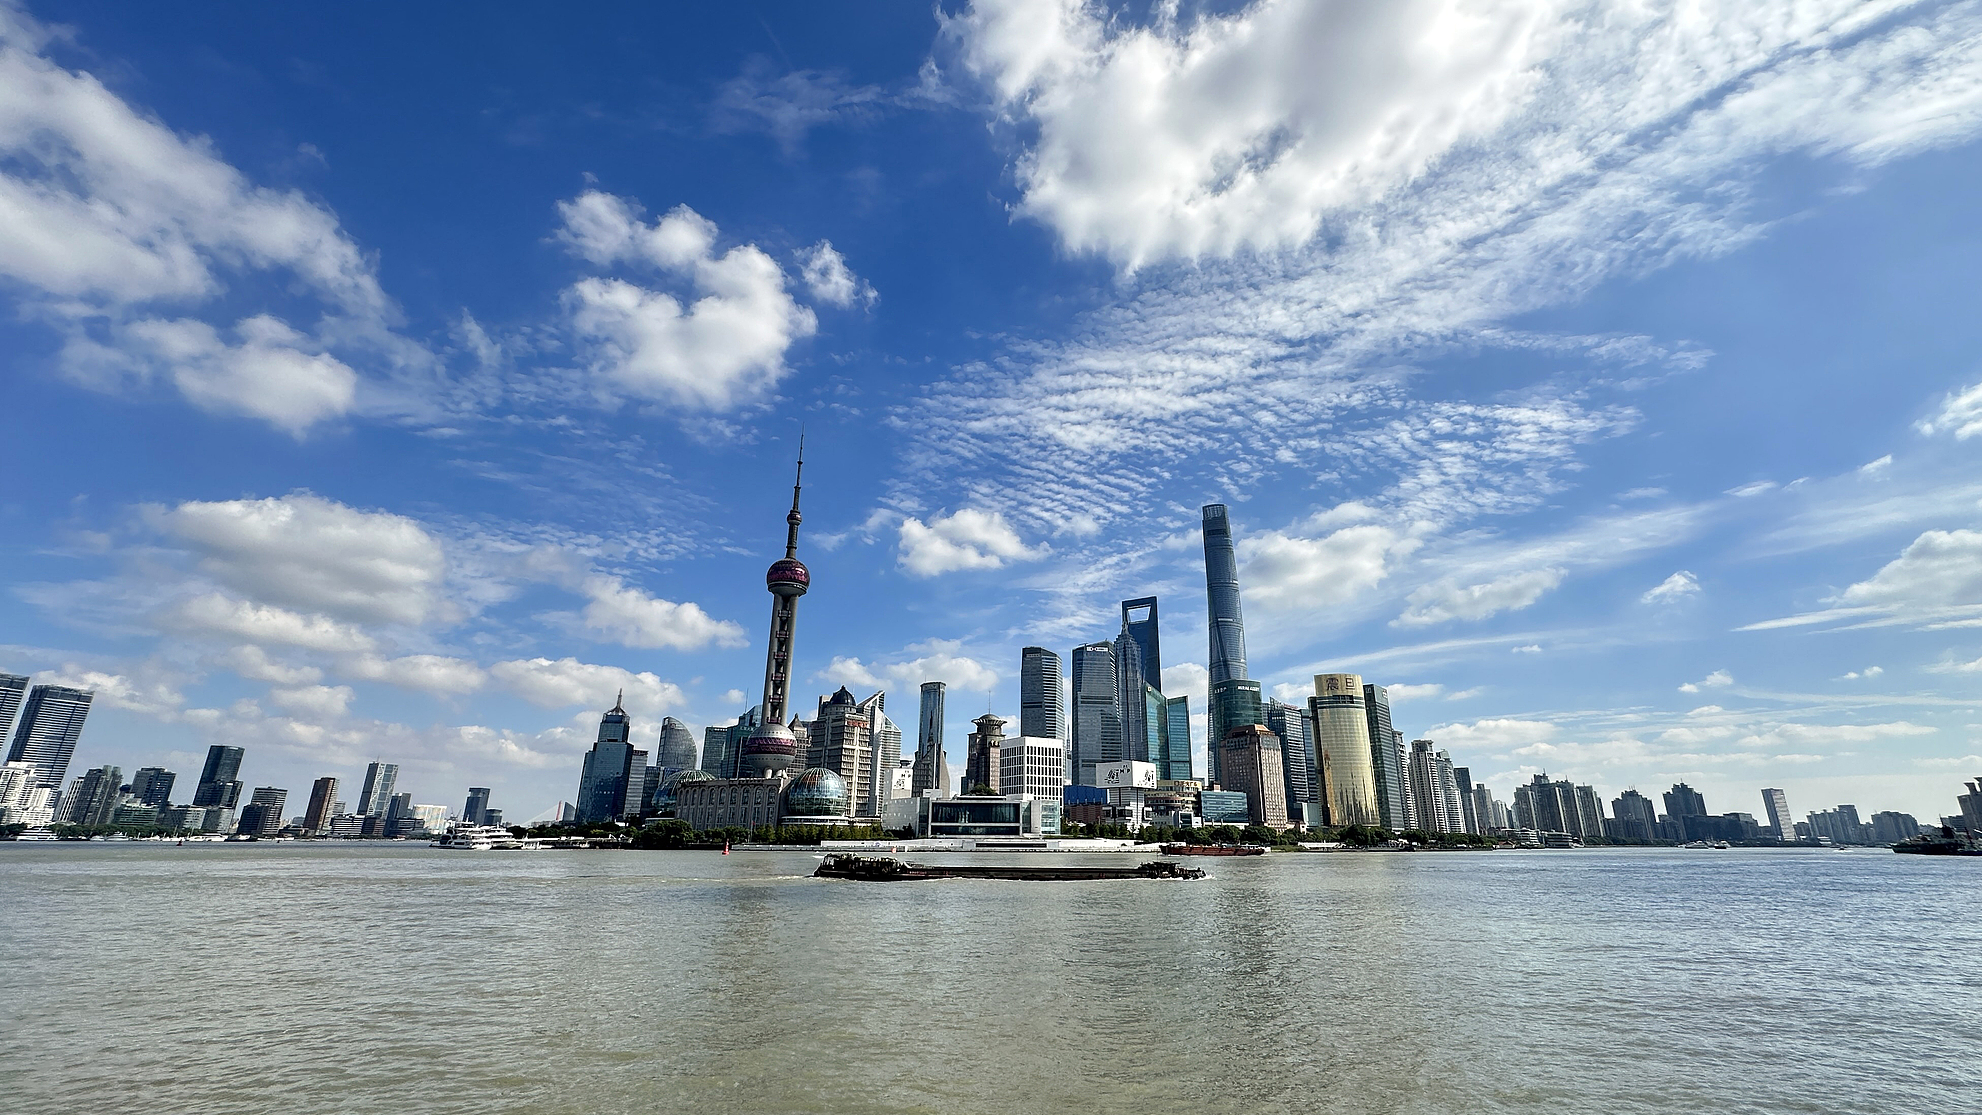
<point>361,979</point>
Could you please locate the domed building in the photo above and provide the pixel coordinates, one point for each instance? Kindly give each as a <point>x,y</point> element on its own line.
<point>818,796</point>
<point>664,796</point>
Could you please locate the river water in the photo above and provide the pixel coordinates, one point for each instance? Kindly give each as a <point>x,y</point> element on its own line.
<point>348,978</point>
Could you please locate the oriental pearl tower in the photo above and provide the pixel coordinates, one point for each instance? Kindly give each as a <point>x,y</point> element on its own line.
<point>771,748</point>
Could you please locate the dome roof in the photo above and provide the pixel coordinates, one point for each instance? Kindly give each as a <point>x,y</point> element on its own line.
<point>693,774</point>
<point>817,792</point>
<point>771,739</point>
<point>843,697</point>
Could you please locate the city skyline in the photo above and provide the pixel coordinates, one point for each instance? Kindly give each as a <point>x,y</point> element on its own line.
<point>1646,465</point>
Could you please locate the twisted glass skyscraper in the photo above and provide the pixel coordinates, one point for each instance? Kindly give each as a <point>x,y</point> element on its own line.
<point>1234,700</point>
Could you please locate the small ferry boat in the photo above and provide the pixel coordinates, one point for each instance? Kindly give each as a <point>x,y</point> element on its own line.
<point>477,838</point>
<point>1715,845</point>
<point>846,865</point>
<point>38,834</point>
<point>1213,849</point>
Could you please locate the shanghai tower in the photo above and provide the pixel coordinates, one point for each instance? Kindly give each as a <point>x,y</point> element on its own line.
<point>771,748</point>
<point>1234,700</point>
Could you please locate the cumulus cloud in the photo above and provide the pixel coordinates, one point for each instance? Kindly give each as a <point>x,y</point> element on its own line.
<point>1285,570</point>
<point>967,539</point>
<point>1497,734</point>
<point>567,682</point>
<point>725,348</point>
<point>1679,586</point>
<point>1867,672</point>
<point>104,210</point>
<point>313,702</point>
<point>151,696</point>
<point>1719,679</point>
<point>1399,694</point>
<point>316,554</point>
<point>1441,602</point>
<point>213,615</point>
<point>425,673</point>
<point>1939,569</point>
<point>937,660</point>
<point>632,618</point>
<point>1960,415</point>
<point>829,279</point>
<point>1241,131</point>
<point>253,663</point>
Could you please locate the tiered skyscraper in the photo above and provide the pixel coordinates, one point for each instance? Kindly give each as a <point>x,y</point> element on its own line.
<point>612,782</point>
<point>770,750</point>
<point>1097,727</point>
<point>1234,699</point>
<point>932,769</point>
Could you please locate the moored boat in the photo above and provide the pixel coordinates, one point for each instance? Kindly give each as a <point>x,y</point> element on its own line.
<point>1947,843</point>
<point>1213,849</point>
<point>478,838</point>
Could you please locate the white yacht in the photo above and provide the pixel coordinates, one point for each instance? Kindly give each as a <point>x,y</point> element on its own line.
<point>38,834</point>
<point>477,838</point>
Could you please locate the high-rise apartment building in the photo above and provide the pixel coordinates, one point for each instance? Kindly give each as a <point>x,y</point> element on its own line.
<point>1684,801</point>
<point>1436,789</point>
<point>983,762</point>
<point>676,748</point>
<point>1634,817</point>
<point>220,783</point>
<point>1775,803</point>
<point>262,816</point>
<point>477,806</point>
<point>13,690</point>
<point>1589,813</point>
<point>51,722</point>
<point>1097,726</point>
<point>885,737</point>
<point>1249,762</point>
<point>323,805</point>
<point>1299,766</point>
<point>841,739</point>
<point>153,785</point>
<point>932,768</point>
<point>380,778</point>
<point>1386,764</point>
<point>1546,806</point>
<point>1042,695</point>
<point>1227,704</point>
<point>1175,763</point>
<point>91,798</point>
<point>1464,777</point>
<point>1347,792</point>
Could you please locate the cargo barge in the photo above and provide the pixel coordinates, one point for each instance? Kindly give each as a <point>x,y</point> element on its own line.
<point>1213,850</point>
<point>845,865</point>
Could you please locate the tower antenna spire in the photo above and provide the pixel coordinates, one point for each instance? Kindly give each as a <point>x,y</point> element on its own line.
<point>792,520</point>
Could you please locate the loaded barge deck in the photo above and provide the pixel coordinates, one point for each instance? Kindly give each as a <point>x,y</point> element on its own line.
<point>845,865</point>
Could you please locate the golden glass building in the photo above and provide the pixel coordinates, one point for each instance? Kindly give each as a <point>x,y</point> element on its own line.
<point>1342,751</point>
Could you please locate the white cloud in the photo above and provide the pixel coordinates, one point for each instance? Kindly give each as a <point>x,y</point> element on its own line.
<point>1868,672</point>
<point>1531,648</point>
<point>104,210</point>
<point>632,618</point>
<point>724,349</point>
<point>426,673</point>
<point>733,697</point>
<point>312,553</point>
<point>1964,762</point>
<point>149,696</point>
<point>1875,468</point>
<point>1752,489</point>
<point>1719,679</point>
<point>1498,734</point>
<point>967,539</point>
<point>1679,586</point>
<point>253,663</point>
<point>1939,569</point>
<point>789,104</point>
<point>1218,134</point>
<point>1402,693</point>
<point>1447,601</point>
<point>1784,735</point>
<point>1960,414</point>
<point>938,661</point>
<point>1282,570</point>
<point>213,614</point>
<point>1187,679</point>
<point>1952,667</point>
<point>830,280</point>
<point>313,702</point>
<point>567,682</point>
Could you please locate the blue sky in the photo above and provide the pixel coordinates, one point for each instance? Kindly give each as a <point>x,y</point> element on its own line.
<point>401,384</point>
